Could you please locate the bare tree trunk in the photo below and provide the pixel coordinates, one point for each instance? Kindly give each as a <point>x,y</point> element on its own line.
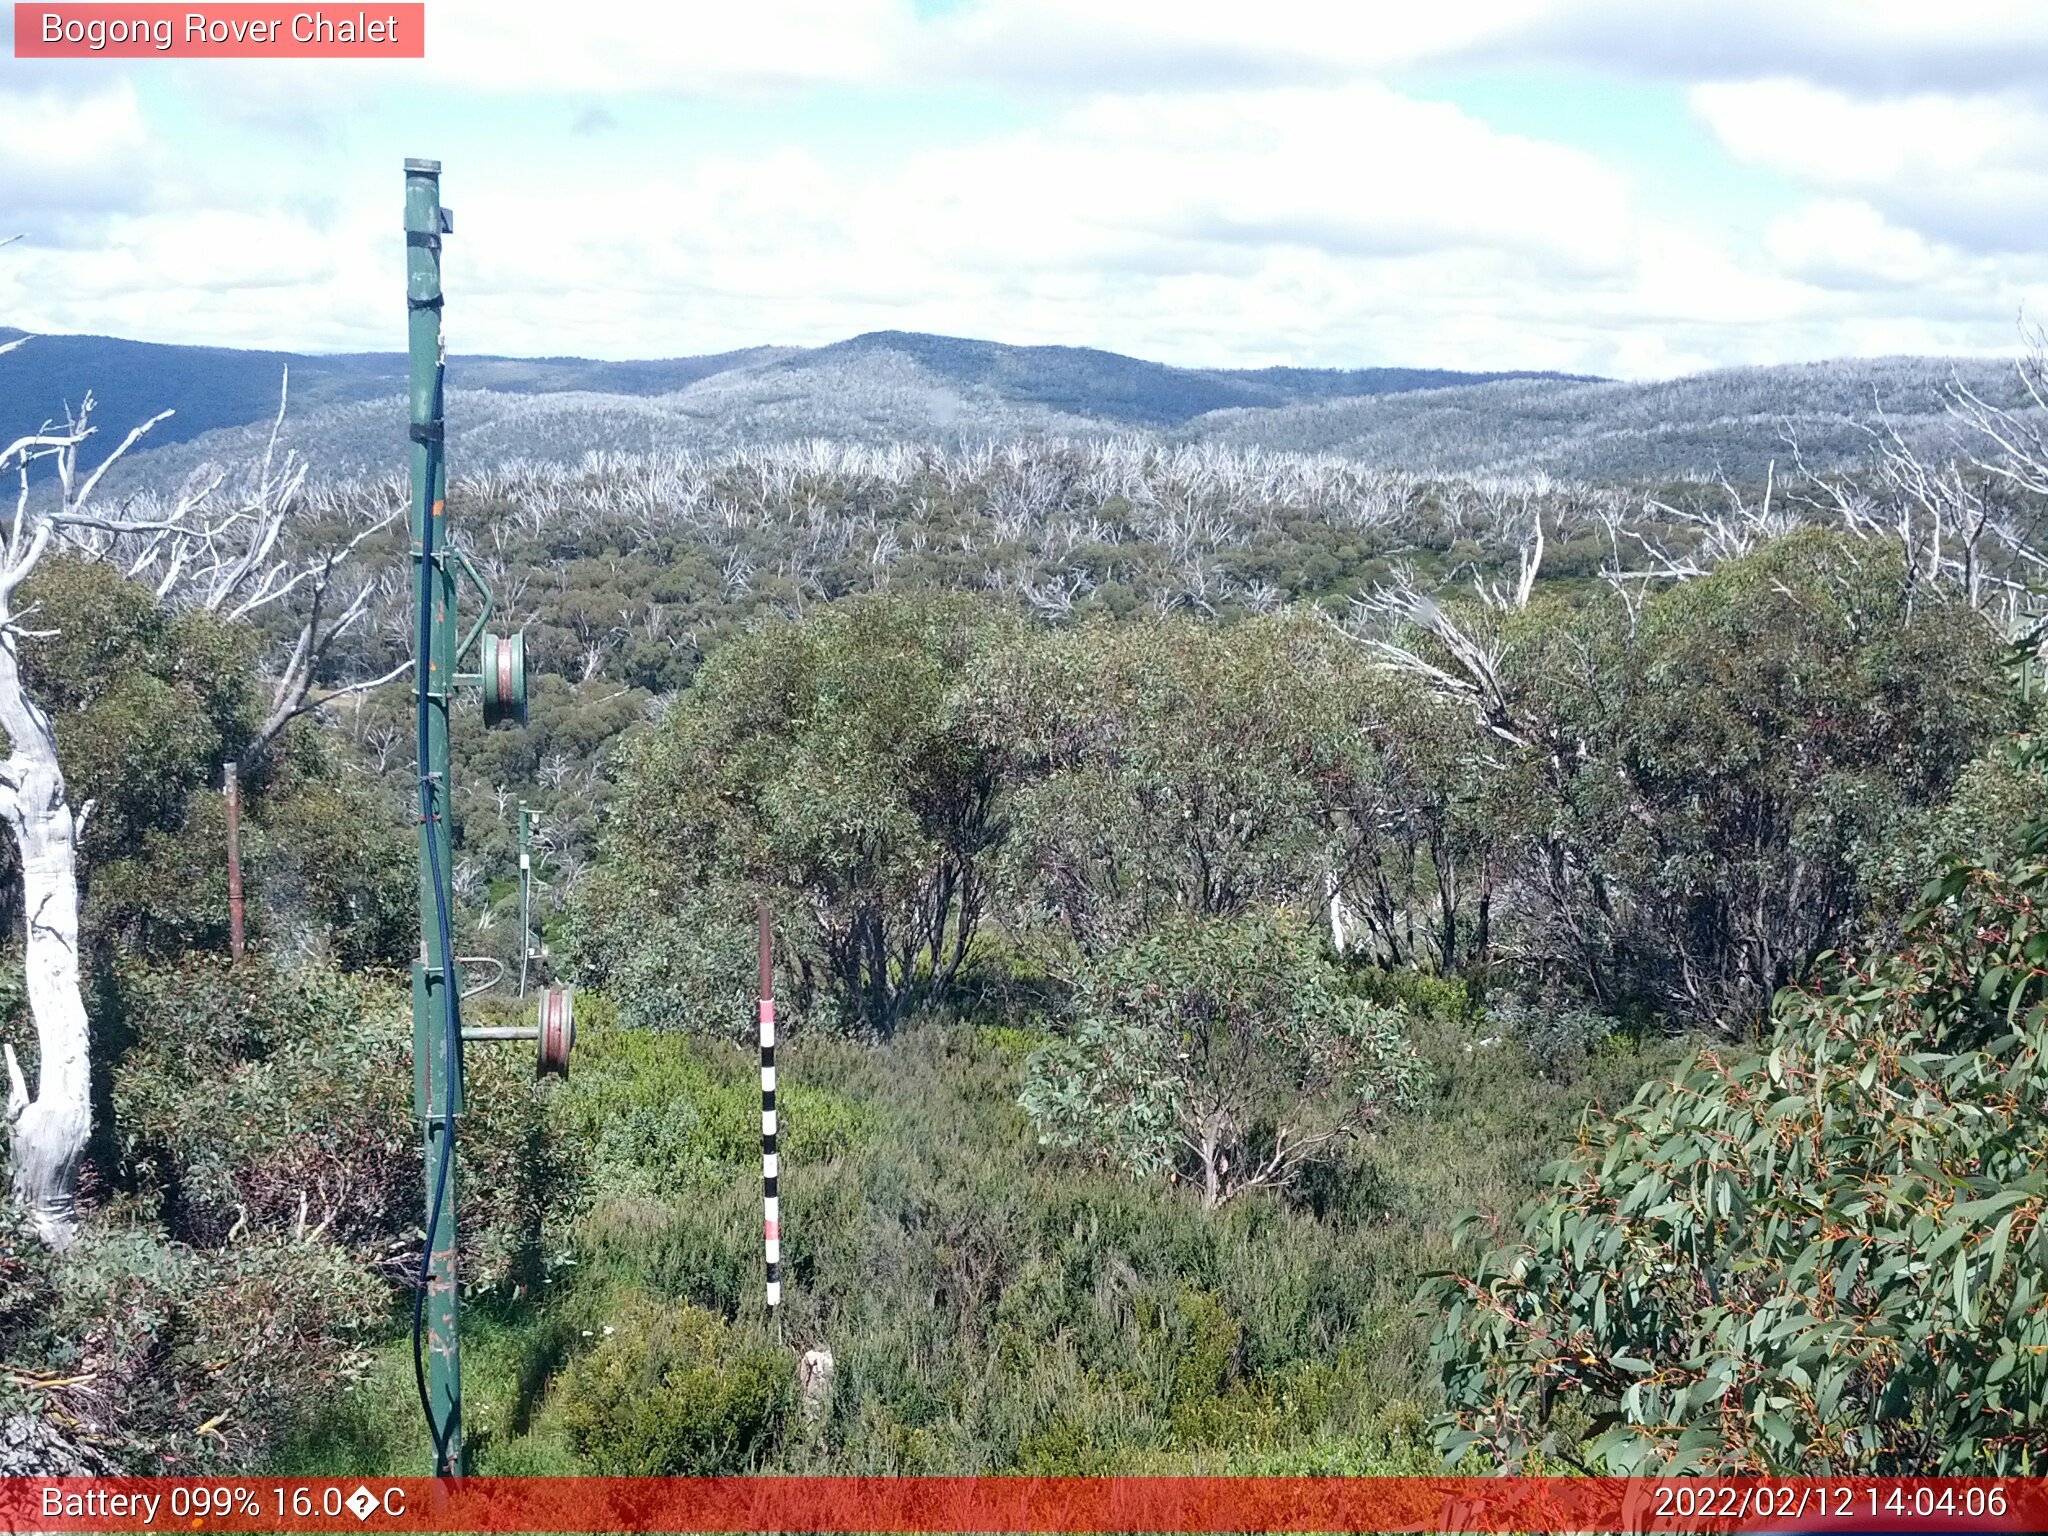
<point>47,1134</point>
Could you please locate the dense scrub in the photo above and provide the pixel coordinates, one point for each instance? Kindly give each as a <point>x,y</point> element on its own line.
<point>252,1177</point>
<point>1171,951</point>
<point>1827,1255</point>
<point>992,1306</point>
<point>628,573</point>
<point>1669,809</point>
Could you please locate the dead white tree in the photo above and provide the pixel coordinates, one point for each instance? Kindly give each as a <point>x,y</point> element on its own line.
<point>1528,564</point>
<point>1470,654</point>
<point>233,559</point>
<point>246,561</point>
<point>48,1129</point>
<point>1968,523</point>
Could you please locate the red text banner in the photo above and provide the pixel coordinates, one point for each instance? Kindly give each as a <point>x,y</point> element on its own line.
<point>233,31</point>
<point>1053,1504</point>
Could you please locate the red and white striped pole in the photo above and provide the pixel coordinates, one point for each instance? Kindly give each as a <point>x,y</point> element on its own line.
<point>771,1214</point>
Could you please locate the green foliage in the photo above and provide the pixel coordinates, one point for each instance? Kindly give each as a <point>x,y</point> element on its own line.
<point>820,767</point>
<point>1673,809</point>
<point>1827,1257</point>
<point>147,703</point>
<point>166,1358</point>
<point>993,1308</point>
<point>1160,767</point>
<point>675,1391</point>
<point>1703,790</point>
<point>690,967</point>
<point>330,867</point>
<point>1559,1034</point>
<point>1221,1050</point>
<point>250,1088</point>
<point>278,1103</point>
<point>1419,994</point>
<point>1691,800</point>
<point>656,1118</point>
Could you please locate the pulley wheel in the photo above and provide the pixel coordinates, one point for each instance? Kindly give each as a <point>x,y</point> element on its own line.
<point>557,1031</point>
<point>502,660</point>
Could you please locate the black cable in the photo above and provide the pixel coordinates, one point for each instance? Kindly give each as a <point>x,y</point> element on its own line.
<point>452,1067</point>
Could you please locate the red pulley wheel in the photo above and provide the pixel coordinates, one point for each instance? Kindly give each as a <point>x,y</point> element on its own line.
<point>557,1031</point>
<point>503,667</point>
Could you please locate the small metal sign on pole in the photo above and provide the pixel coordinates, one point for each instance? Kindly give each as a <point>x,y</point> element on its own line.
<point>529,943</point>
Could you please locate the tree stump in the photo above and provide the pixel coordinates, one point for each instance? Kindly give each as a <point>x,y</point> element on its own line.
<point>814,1385</point>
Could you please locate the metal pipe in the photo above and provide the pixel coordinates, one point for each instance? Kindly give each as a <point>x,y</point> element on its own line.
<point>437,1056</point>
<point>526,945</point>
<point>237,908</point>
<point>500,1032</point>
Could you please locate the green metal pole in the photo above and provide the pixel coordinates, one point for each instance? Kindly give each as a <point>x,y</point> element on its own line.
<point>526,945</point>
<point>434,598</point>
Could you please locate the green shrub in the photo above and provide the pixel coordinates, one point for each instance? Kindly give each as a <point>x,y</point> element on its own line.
<point>1422,995</point>
<point>674,1391</point>
<point>168,1358</point>
<point>264,1101</point>
<point>823,766</point>
<point>1824,1257</point>
<point>687,966</point>
<point>659,1114</point>
<point>1015,1041</point>
<point>332,868</point>
<point>1157,768</point>
<point>249,1089</point>
<point>1222,1050</point>
<point>1201,1340</point>
<point>1560,1036</point>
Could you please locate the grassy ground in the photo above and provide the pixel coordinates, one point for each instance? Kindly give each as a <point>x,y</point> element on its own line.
<point>991,1306</point>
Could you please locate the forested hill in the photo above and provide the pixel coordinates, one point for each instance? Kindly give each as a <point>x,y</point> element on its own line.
<point>216,387</point>
<point>893,387</point>
<point>221,387</point>
<point>1110,387</point>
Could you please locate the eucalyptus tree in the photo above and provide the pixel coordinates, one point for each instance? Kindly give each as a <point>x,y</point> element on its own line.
<point>823,766</point>
<point>48,1129</point>
<point>226,556</point>
<point>1694,785</point>
<point>266,549</point>
<point>1219,1050</point>
<point>1821,1255</point>
<point>1159,767</point>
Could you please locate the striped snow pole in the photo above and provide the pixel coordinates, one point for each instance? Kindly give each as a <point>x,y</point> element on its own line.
<point>771,1206</point>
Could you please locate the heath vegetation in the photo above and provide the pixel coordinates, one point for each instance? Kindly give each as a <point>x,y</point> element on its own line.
<point>1287,966</point>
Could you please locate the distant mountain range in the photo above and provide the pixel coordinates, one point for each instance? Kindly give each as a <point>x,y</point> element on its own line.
<point>892,386</point>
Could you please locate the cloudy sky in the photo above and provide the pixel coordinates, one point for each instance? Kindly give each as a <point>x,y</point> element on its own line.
<point>1597,185</point>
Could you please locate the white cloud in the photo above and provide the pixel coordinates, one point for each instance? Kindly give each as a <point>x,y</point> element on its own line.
<point>537,46</point>
<point>1204,181</point>
<point>1140,45</point>
<point>1268,226</point>
<point>1861,47</point>
<point>1969,170</point>
<point>65,156</point>
<point>1842,242</point>
<point>1354,171</point>
<point>1080,47</point>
